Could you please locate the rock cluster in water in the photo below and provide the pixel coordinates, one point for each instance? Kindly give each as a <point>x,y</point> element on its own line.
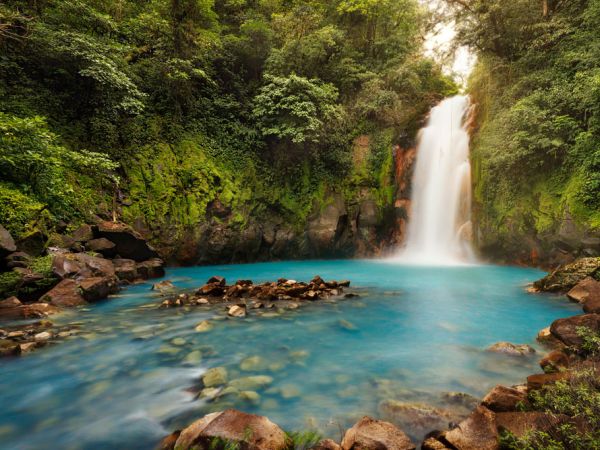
<point>88,265</point>
<point>247,295</point>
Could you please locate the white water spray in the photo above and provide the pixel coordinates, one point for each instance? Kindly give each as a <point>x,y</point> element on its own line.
<point>440,222</point>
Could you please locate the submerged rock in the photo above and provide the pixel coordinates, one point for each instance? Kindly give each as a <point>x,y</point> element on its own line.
<point>369,433</point>
<point>216,376</point>
<point>511,349</point>
<point>204,326</point>
<point>251,383</point>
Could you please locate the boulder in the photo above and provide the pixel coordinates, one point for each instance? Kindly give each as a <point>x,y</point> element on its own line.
<point>503,399</point>
<point>511,349</point>
<point>94,266</point>
<point>538,381</point>
<point>371,434</point>
<point>9,348</point>
<point>66,293</point>
<point>152,268</point>
<point>103,246</point>
<point>84,233</point>
<point>587,292</point>
<point>554,361</point>
<point>65,265</point>
<point>7,243</point>
<point>248,431</point>
<point>18,259</point>
<point>567,276</point>
<point>168,443</point>
<point>98,288</point>
<point>432,443</point>
<point>478,432</point>
<point>125,269</point>
<point>129,244</point>
<point>566,330</point>
<point>10,302</point>
<point>33,243</point>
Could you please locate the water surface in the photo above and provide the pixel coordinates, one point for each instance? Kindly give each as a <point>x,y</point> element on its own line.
<point>414,334</point>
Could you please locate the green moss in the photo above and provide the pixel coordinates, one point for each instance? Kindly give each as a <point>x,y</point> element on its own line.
<point>9,284</point>
<point>18,211</point>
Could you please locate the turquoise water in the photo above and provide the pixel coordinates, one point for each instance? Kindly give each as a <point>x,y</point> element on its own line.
<point>414,334</point>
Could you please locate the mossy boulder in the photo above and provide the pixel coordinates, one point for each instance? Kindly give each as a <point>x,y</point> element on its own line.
<point>568,275</point>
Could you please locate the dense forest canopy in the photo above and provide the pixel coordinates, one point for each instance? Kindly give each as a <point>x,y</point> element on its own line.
<point>223,96</point>
<point>537,87</point>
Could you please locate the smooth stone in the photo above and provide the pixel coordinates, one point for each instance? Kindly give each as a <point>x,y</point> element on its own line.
<point>252,363</point>
<point>216,376</point>
<point>204,327</point>
<point>210,393</point>
<point>288,391</point>
<point>346,325</point>
<point>179,342</point>
<point>374,434</point>
<point>237,311</point>
<point>193,358</point>
<point>250,396</point>
<point>503,399</point>
<point>44,336</point>
<point>511,349</point>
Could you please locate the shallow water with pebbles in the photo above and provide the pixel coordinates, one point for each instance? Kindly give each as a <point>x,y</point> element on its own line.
<point>415,334</point>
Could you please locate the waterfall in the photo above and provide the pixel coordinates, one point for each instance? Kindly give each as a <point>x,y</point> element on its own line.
<point>439,227</point>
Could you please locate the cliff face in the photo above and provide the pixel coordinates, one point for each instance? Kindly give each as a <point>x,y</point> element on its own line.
<point>235,216</point>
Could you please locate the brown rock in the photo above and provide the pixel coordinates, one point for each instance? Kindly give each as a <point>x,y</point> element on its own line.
<point>10,302</point>
<point>98,288</point>
<point>65,266</point>
<point>168,443</point>
<point>125,269</point>
<point>102,246</point>
<point>540,380</point>
<point>249,431</point>
<point>554,361</point>
<point>478,432</point>
<point>502,398</point>
<point>94,266</point>
<point>39,310</point>
<point>326,444</point>
<point>129,244</point>
<point>7,243</point>
<point>565,330</point>
<point>217,280</point>
<point>66,293</point>
<point>84,233</point>
<point>237,311</point>
<point>152,268</point>
<point>370,434</point>
<point>9,348</point>
<point>433,444</point>
<point>418,417</point>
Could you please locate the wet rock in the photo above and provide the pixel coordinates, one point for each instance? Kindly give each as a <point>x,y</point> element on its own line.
<point>250,396</point>
<point>103,246</point>
<point>554,361</point>
<point>369,434</point>
<point>566,330</point>
<point>477,432</point>
<point>538,381</point>
<point>210,393</point>
<point>237,311</point>
<point>347,325</point>
<point>511,349</point>
<point>27,347</point>
<point>152,268</point>
<point>129,244</point>
<point>432,443</point>
<point>165,285</point>
<point>326,444</point>
<point>7,243</point>
<point>98,288</point>
<point>9,348</point>
<point>218,280</point>
<point>204,327</point>
<point>193,358</point>
<point>168,443</point>
<point>545,337</point>
<point>503,399</point>
<point>64,294</point>
<point>44,336</point>
<point>461,399</point>
<point>252,364</point>
<point>567,276</point>
<point>216,376</point>
<point>250,431</point>
<point>251,383</point>
<point>126,269</point>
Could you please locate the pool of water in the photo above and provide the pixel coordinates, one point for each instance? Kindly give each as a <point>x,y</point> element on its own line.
<point>414,334</point>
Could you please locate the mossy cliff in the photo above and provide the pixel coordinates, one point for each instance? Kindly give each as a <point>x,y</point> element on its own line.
<point>198,206</point>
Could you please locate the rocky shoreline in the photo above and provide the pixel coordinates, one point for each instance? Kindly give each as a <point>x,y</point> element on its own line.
<point>88,265</point>
<point>504,413</point>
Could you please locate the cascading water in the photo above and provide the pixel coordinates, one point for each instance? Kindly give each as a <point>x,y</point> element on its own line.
<point>440,224</point>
